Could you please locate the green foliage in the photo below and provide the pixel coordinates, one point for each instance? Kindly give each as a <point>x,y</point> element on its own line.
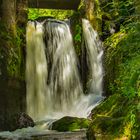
<point>78,31</point>
<point>124,50</point>
<point>78,38</point>
<point>118,10</point>
<point>115,13</point>
<point>117,116</point>
<point>129,78</point>
<point>58,14</point>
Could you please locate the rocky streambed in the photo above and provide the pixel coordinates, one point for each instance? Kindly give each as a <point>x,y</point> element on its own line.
<point>46,135</point>
<point>67,128</point>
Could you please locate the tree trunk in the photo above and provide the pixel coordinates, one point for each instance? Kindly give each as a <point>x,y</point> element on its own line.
<point>12,82</point>
<point>9,15</point>
<point>91,8</point>
<point>22,13</point>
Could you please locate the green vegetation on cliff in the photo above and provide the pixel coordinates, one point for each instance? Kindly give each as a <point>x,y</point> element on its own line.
<point>118,117</point>
<point>123,57</point>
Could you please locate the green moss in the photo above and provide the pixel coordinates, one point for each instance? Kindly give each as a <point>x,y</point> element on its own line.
<point>70,124</point>
<point>78,38</point>
<point>122,54</point>
<point>109,106</point>
<point>117,116</point>
<point>11,54</point>
<point>107,125</point>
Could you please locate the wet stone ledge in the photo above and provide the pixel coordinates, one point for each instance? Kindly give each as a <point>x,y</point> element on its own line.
<point>77,135</point>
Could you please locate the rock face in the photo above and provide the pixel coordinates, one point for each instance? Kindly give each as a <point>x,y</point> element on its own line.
<point>12,101</point>
<point>70,124</point>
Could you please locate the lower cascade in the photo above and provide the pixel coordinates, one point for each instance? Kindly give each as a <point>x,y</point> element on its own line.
<point>54,86</point>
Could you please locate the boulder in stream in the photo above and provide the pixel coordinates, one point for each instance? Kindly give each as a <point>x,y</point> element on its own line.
<point>20,120</point>
<point>70,124</point>
<point>24,121</point>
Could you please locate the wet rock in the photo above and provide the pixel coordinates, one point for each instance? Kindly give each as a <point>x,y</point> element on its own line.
<point>20,120</point>
<point>70,124</point>
<point>24,121</point>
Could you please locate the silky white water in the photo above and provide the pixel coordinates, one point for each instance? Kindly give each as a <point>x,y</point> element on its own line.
<point>36,70</point>
<point>53,81</point>
<point>64,87</point>
<point>94,58</point>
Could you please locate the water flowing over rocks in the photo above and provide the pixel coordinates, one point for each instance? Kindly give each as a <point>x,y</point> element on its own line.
<point>48,135</point>
<point>54,87</point>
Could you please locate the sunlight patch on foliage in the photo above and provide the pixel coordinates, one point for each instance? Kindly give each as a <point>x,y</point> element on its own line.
<point>58,14</point>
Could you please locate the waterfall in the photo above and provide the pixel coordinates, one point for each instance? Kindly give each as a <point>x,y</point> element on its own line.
<point>94,58</point>
<point>36,70</point>
<point>53,81</point>
<point>64,83</point>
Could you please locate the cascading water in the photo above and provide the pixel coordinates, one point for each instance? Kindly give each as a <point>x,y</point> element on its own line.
<point>64,87</point>
<point>94,58</point>
<point>36,70</point>
<point>54,89</point>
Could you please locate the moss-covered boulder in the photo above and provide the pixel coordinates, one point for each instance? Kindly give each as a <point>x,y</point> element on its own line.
<point>70,124</point>
<point>117,117</point>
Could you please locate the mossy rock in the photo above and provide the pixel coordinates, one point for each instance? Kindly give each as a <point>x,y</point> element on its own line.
<point>112,107</point>
<point>117,117</point>
<point>70,124</point>
<point>105,125</point>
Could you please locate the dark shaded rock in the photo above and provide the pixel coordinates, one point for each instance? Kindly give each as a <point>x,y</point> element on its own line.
<point>12,101</point>
<point>25,121</point>
<point>18,121</point>
<point>91,134</point>
<point>70,124</point>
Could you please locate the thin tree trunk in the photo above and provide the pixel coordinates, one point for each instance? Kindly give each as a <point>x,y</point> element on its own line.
<point>90,13</point>
<point>89,9</point>
<point>22,13</point>
<point>9,15</point>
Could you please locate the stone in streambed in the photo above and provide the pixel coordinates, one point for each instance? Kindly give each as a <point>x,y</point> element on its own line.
<point>24,121</point>
<point>20,120</point>
<point>70,124</point>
